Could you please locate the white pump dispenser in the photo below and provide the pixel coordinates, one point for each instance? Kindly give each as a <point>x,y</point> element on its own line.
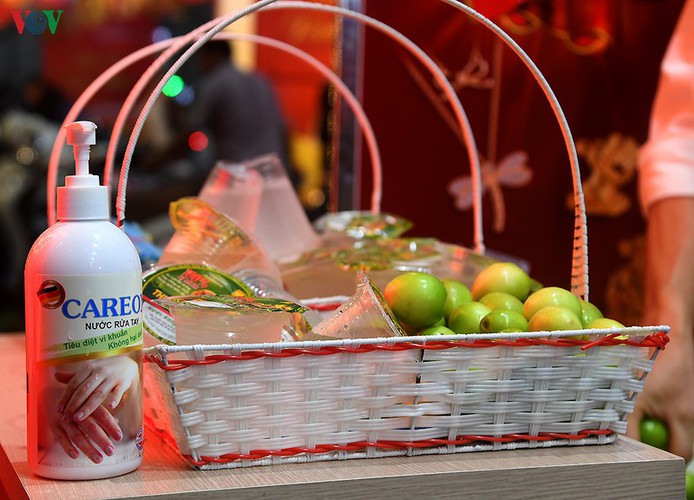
<point>82,197</point>
<point>83,296</point>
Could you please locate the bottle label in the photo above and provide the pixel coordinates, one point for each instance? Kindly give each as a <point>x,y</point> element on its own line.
<point>98,320</point>
<point>87,370</point>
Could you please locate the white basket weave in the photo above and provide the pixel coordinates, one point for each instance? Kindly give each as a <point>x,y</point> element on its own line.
<point>245,405</point>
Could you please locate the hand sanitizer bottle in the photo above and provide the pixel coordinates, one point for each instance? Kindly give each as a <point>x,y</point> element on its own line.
<point>83,296</point>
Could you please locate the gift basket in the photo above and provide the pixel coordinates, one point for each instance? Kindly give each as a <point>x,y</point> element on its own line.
<point>240,405</point>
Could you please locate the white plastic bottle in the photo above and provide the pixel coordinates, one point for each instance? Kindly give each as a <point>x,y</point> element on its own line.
<point>83,295</point>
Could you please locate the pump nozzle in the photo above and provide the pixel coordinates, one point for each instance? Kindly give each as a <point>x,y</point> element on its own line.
<point>82,198</point>
<point>81,135</point>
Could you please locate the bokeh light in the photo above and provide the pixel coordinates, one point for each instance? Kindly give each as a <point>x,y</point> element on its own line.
<point>26,155</point>
<point>173,87</point>
<point>160,33</point>
<point>186,96</point>
<point>197,141</point>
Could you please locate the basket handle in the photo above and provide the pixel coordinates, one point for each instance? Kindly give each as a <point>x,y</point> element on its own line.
<point>221,23</point>
<point>579,276</point>
<point>579,260</point>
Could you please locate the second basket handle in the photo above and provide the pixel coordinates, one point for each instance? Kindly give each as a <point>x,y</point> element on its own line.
<point>579,260</point>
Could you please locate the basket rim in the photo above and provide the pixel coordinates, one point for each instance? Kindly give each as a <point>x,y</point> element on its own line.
<point>426,446</point>
<point>422,340</point>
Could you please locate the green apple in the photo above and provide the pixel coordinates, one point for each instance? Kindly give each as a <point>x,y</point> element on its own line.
<point>466,318</point>
<point>553,318</point>
<point>605,323</point>
<point>416,299</point>
<point>456,294</point>
<point>551,296</point>
<point>588,312</point>
<point>502,300</point>
<point>436,330</point>
<point>503,319</point>
<point>501,277</point>
<point>654,432</point>
<point>441,322</point>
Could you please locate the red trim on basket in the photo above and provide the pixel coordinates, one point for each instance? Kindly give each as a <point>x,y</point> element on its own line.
<point>393,445</point>
<point>657,339</point>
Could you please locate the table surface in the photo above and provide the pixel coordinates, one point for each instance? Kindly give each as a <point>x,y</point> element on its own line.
<point>623,469</point>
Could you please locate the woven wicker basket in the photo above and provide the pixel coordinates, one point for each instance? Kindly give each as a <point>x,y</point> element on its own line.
<point>244,405</point>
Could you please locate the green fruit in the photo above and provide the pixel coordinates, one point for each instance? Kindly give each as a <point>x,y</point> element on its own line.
<point>588,312</point>
<point>502,300</point>
<point>605,323</point>
<point>416,299</point>
<point>689,484</point>
<point>436,330</point>
<point>466,318</point>
<point>553,318</point>
<point>501,277</point>
<point>456,294</point>
<point>654,432</point>
<point>551,296</point>
<point>502,319</point>
<point>535,285</point>
<point>441,322</point>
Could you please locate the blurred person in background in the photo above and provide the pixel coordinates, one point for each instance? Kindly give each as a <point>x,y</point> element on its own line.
<point>666,188</point>
<point>240,117</point>
<point>239,110</point>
